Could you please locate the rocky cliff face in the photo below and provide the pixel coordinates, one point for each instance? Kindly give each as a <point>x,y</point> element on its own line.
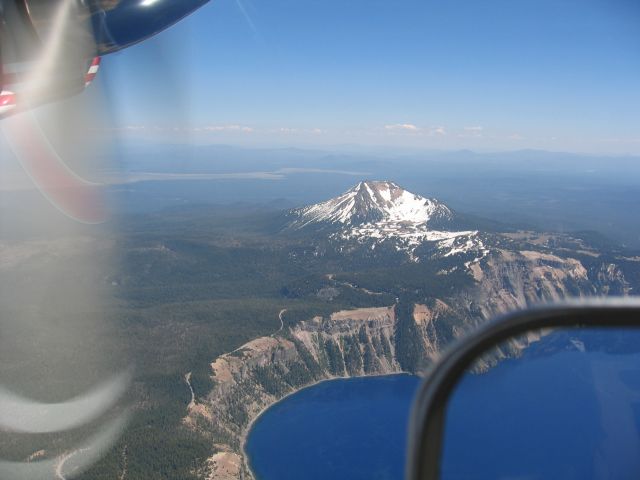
<point>405,337</point>
<point>509,280</point>
<point>348,343</point>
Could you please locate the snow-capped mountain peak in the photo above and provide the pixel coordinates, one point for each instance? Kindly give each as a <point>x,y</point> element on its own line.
<point>373,202</point>
<point>374,212</point>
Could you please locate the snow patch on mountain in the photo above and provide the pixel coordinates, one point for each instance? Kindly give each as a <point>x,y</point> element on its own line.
<point>381,211</point>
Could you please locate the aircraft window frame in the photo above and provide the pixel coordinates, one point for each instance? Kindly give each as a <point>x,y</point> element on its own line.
<point>426,426</point>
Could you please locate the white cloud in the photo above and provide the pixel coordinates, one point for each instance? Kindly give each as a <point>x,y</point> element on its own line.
<point>410,128</point>
<point>476,129</point>
<point>227,128</point>
<point>300,131</point>
<point>402,127</point>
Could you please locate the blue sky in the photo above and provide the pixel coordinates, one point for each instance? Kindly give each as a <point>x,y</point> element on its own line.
<point>480,74</point>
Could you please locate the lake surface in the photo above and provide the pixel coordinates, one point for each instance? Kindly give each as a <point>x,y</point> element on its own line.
<point>555,413</point>
<point>339,429</point>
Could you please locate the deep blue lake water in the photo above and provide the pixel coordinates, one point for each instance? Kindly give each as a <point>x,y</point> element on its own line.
<point>555,413</point>
<point>340,429</point>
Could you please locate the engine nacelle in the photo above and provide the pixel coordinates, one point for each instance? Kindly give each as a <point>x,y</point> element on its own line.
<point>61,38</point>
<point>118,24</point>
